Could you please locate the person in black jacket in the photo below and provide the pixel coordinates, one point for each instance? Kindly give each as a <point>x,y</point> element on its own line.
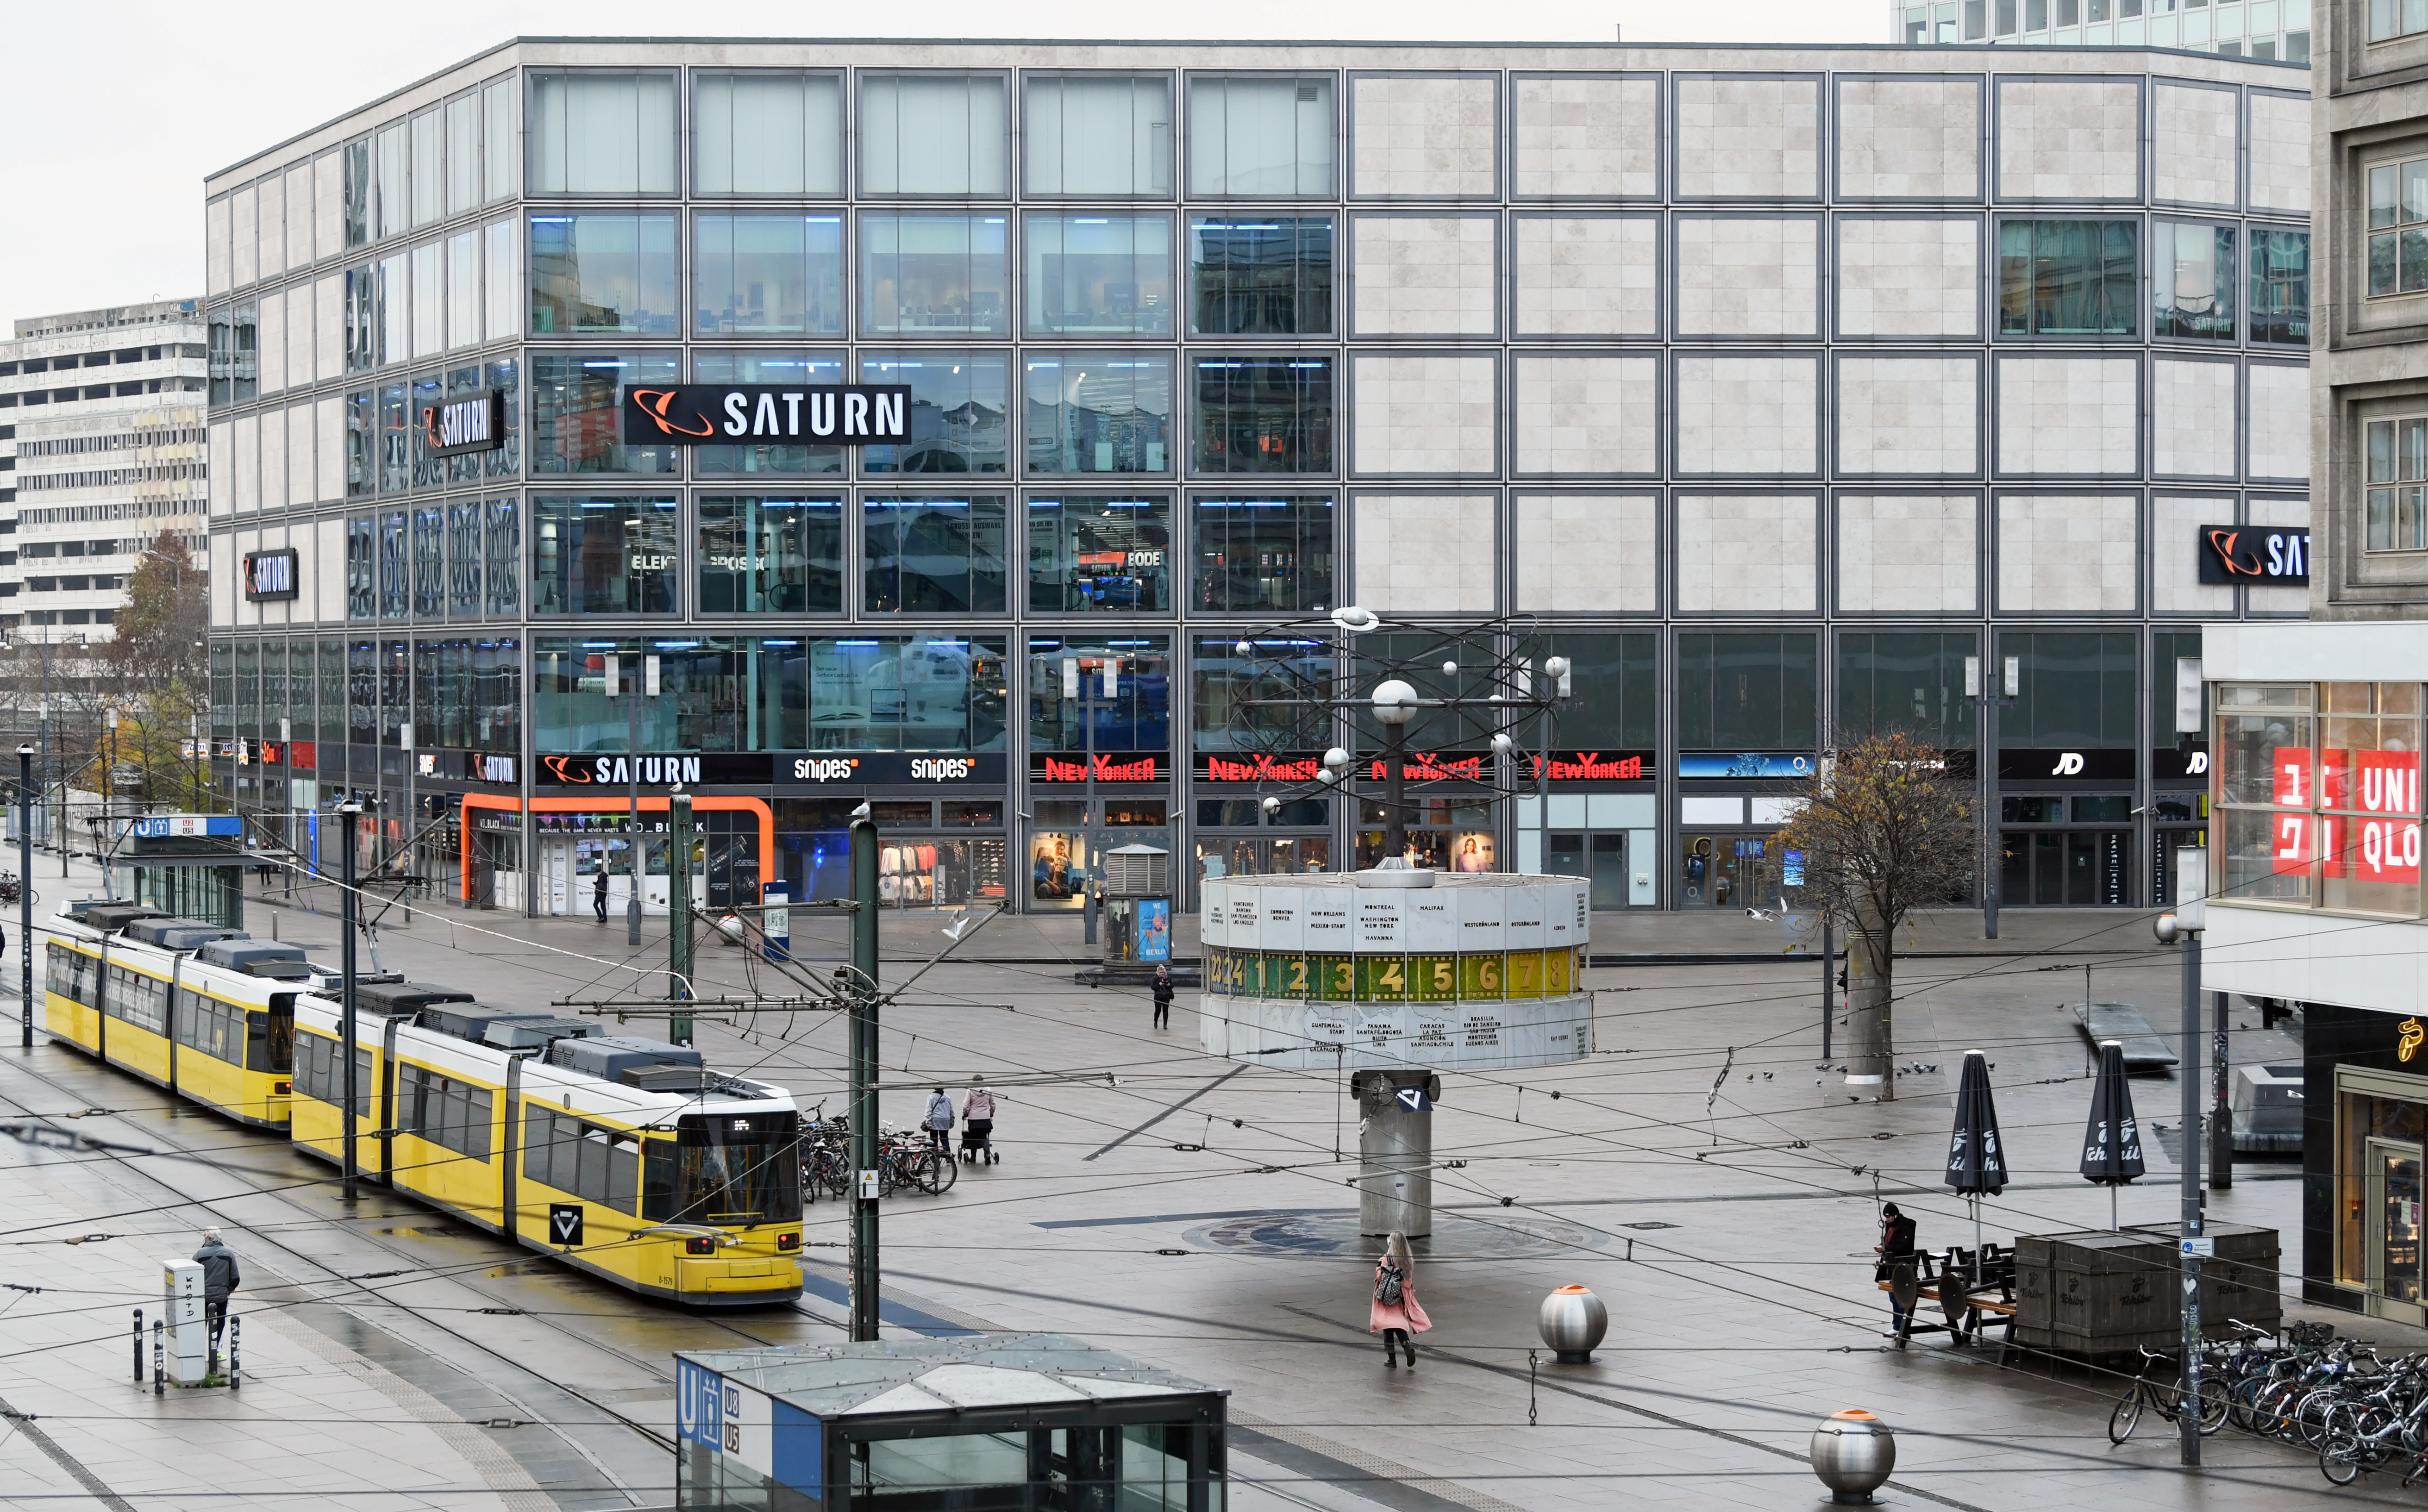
<point>1162,997</point>
<point>1896,1251</point>
<point>220,1278</point>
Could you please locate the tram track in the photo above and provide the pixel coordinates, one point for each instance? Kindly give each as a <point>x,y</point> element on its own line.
<point>258,1188</point>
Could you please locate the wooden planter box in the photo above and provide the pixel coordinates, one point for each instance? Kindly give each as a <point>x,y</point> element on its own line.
<point>2104,1291</point>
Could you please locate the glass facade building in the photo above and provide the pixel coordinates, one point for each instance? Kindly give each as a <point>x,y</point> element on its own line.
<point>1787,404</point>
<point>2273,30</point>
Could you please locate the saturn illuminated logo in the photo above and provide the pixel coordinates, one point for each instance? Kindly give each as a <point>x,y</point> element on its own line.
<point>2409,1036</point>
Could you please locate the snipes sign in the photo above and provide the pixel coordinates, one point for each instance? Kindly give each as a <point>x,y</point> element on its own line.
<point>732,414</point>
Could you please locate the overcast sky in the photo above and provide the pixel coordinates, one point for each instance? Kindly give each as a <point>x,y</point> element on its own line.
<point>118,112</point>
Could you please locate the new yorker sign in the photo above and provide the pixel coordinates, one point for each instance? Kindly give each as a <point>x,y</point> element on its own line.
<point>717,414</point>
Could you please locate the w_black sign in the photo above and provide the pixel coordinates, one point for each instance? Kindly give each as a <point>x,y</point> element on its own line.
<point>733,414</point>
<point>565,1224</point>
<point>2270,555</point>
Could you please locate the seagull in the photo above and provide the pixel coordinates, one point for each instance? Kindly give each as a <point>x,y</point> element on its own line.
<point>1760,916</point>
<point>960,924</point>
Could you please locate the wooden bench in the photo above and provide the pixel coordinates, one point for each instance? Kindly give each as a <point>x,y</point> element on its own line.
<point>1968,1305</point>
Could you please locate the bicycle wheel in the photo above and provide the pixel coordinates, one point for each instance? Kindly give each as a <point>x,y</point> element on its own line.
<point>2340,1460</point>
<point>942,1171</point>
<point>2213,1406</point>
<point>2310,1418</point>
<point>2128,1415</point>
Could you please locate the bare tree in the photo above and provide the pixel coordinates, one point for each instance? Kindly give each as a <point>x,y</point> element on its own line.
<point>155,674</point>
<point>1885,831</point>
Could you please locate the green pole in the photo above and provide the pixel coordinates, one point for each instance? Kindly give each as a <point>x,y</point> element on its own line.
<point>678,974</point>
<point>863,1080</point>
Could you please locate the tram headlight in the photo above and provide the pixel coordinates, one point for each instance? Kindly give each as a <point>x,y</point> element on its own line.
<point>699,1246</point>
<point>788,1242</point>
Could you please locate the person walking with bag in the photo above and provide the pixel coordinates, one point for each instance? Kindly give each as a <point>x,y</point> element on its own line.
<point>1896,1253</point>
<point>1162,990</point>
<point>220,1278</point>
<point>1397,1315</point>
<point>939,1121</point>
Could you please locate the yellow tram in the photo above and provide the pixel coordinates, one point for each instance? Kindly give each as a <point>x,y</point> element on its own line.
<point>630,1159</point>
<point>196,1008</point>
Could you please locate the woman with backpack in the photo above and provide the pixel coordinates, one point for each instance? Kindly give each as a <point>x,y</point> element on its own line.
<point>1397,1315</point>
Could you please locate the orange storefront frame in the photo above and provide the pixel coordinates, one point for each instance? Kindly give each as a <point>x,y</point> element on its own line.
<point>648,805</point>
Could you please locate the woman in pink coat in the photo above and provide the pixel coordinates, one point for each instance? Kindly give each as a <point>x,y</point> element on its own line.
<point>1398,1318</point>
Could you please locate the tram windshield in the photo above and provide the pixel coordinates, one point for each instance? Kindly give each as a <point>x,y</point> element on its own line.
<point>737,1168</point>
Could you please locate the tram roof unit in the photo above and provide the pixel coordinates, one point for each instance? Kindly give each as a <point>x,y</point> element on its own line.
<point>229,963</point>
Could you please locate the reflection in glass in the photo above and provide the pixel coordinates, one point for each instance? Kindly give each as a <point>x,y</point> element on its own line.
<point>1138,715</point>
<point>2280,287</point>
<point>1260,700</point>
<point>1268,414</point>
<point>1261,276</point>
<point>960,412</point>
<point>575,423</point>
<point>1915,683</point>
<point>782,555</point>
<point>1746,692</point>
<point>1263,555</point>
<point>603,557</point>
<point>934,275</point>
<point>593,274</point>
<point>1100,276</point>
<point>1099,411</point>
<point>1260,135</point>
<point>2192,282</point>
<point>933,556</point>
<point>2067,278</point>
<point>767,274</point>
<point>1099,553</point>
<point>879,693</point>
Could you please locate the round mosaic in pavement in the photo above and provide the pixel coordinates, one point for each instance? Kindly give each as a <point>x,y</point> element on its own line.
<point>1455,1235</point>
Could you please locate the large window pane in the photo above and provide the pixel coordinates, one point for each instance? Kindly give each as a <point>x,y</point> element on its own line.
<point>575,423</point>
<point>2077,692</point>
<point>770,555</point>
<point>465,558</point>
<point>395,438</point>
<point>389,205</point>
<point>503,252</point>
<point>933,134</point>
<point>2280,287</point>
<point>505,569</point>
<point>934,275</point>
<point>362,444</point>
<point>1263,555</point>
<point>1261,276</point>
<point>1260,135</point>
<point>1913,682</point>
<point>606,133</point>
<point>2192,282</point>
<point>1752,692</point>
<point>2166,648</point>
<point>881,693</point>
<point>1098,134</point>
<point>1615,678</point>
<point>393,564</point>
<point>428,177</point>
<point>2067,278</point>
<point>1263,414</point>
<point>766,367</point>
<point>1099,411</point>
<point>1100,276</point>
<point>1137,717</point>
<point>767,133</point>
<point>961,412</point>
<point>505,376</point>
<point>1262,698</point>
<point>1088,552</point>
<point>603,272</point>
<point>604,556</point>
<point>429,561</point>
<point>501,134</point>
<point>429,308</point>
<point>767,274</point>
<point>463,289</point>
<point>236,352</point>
<point>463,154</point>
<point>933,556</point>
<point>365,319</point>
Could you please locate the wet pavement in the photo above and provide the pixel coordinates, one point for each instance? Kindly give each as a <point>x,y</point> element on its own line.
<point>1713,1186</point>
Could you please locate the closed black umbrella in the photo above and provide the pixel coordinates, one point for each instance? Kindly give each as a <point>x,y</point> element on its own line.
<point>1977,1163</point>
<point>2111,1146</point>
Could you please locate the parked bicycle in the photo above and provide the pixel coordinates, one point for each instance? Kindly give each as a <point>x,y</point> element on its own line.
<point>2147,1393</point>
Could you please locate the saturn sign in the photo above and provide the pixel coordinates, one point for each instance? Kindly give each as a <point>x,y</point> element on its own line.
<point>723,414</point>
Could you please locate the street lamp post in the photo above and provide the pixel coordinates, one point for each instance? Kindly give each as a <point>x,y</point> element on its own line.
<point>25,893</point>
<point>349,815</point>
<point>2186,924</point>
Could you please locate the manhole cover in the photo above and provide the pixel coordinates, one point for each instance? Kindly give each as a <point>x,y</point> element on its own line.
<point>1649,1222</point>
<point>1454,1237</point>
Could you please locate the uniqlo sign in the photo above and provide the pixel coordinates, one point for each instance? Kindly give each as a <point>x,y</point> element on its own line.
<point>2373,782</point>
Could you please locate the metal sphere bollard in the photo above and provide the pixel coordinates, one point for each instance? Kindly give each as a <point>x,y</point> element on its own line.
<point>1853,1453</point>
<point>1572,1321</point>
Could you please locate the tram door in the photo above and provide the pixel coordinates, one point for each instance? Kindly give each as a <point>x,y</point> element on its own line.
<point>2393,1231</point>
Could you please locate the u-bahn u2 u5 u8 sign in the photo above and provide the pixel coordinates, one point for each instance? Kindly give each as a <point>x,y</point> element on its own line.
<point>744,414</point>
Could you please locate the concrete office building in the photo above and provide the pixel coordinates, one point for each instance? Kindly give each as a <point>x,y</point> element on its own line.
<point>2315,869</point>
<point>1776,384</point>
<point>100,450</point>
<point>2274,30</point>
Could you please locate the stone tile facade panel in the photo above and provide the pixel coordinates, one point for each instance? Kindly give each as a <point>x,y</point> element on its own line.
<point>1908,414</point>
<point>1588,415</point>
<point>2279,408</point>
<point>2197,148</point>
<point>1749,415</point>
<point>2192,419</point>
<point>1909,138</point>
<point>1430,416</point>
<point>1429,136</point>
<point>1589,554</point>
<point>2068,415</point>
<point>1746,554</point>
<point>2280,513</point>
<point>1425,276</point>
<point>1425,553</point>
<point>1749,138</point>
<point>1909,278</point>
<point>1590,137</point>
<point>1908,554</point>
<point>2069,139</point>
<point>1748,276</point>
<point>2073,555</point>
<point>1588,275</point>
<point>2175,587</point>
<point>2280,154</point>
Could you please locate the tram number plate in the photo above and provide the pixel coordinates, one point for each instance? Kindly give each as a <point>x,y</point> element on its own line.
<point>565,1223</point>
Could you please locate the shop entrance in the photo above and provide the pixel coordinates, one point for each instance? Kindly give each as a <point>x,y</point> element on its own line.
<point>2070,863</point>
<point>1723,870</point>
<point>1600,858</point>
<point>2393,1227</point>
